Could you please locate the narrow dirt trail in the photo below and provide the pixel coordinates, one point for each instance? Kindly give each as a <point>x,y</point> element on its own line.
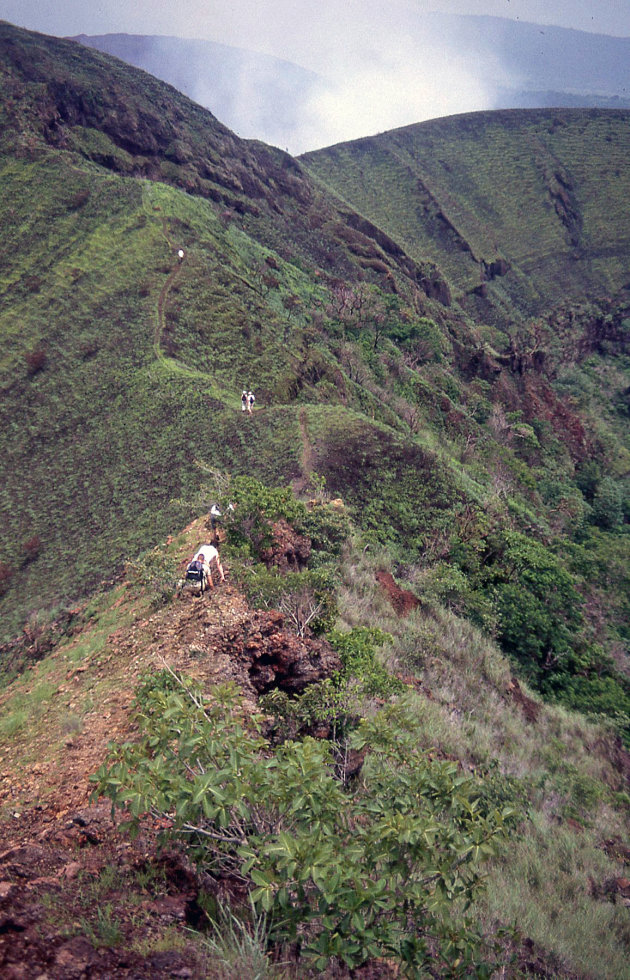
<point>186,635</point>
<point>165,290</point>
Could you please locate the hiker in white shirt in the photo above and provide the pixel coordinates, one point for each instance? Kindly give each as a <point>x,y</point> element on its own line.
<point>209,554</point>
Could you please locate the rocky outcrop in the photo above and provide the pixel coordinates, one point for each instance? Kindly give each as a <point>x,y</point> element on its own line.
<point>402,600</point>
<point>274,657</point>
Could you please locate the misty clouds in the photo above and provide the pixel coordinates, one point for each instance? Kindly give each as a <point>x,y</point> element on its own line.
<point>360,66</point>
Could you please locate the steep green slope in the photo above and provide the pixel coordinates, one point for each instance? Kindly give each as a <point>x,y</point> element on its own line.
<point>520,210</point>
<point>100,428</point>
<point>490,464</point>
<point>485,465</point>
<point>122,365</point>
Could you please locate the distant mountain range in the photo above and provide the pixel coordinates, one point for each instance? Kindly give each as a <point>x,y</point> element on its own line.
<point>518,65</point>
<point>538,58</point>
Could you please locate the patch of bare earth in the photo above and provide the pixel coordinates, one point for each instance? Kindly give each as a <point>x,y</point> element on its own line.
<point>402,600</point>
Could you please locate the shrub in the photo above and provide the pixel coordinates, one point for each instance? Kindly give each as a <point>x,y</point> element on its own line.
<point>384,869</point>
<point>538,605</point>
<point>608,504</point>
<point>257,507</point>
<point>156,573</point>
<point>357,649</point>
<point>307,599</point>
<point>327,529</point>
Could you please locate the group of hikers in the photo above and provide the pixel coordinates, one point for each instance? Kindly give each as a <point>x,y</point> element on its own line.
<point>199,569</point>
<point>206,558</point>
<point>247,402</point>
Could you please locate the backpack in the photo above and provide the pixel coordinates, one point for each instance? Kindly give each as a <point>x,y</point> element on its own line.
<point>194,572</point>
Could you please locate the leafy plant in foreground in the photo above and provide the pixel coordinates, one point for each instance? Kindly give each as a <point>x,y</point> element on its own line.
<point>386,868</point>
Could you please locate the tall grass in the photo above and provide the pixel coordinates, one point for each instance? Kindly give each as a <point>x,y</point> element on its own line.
<point>559,771</point>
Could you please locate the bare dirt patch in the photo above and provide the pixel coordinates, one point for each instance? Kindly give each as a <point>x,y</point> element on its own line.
<point>401,599</point>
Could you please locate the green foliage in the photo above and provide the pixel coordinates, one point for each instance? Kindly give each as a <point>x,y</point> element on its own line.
<point>421,339</point>
<point>328,530</point>
<point>608,504</point>
<point>386,869</point>
<point>307,598</point>
<point>499,791</point>
<point>450,586</point>
<point>538,605</point>
<point>155,573</point>
<point>257,507</point>
<point>337,702</point>
<point>397,491</point>
<point>330,703</point>
<point>357,649</point>
<point>596,689</point>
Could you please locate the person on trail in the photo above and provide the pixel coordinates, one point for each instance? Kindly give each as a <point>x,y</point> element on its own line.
<point>215,516</point>
<point>209,554</point>
<point>251,398</point>
<point>180,255</point>
<point>244,407</point>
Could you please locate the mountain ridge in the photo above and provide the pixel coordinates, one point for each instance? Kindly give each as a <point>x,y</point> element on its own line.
<point>428,145</point>
<point>463,448</point>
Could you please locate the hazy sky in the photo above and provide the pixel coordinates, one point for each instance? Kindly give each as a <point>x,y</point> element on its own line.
<point>284,27</point>
<point>383,64</point>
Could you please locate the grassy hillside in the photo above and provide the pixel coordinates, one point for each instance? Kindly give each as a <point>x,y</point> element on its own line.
<point>528,208</point>
<point>123,366</point>
<point>489,461</point>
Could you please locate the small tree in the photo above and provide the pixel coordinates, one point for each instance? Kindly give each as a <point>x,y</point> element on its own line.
<point>257,507</point>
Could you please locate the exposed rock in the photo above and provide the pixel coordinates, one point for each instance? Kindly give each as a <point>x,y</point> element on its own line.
<point>496,268</point>
<point>615,890</point>
<point>616,850</point>
<point>275,657</point>
<point>531,710</point>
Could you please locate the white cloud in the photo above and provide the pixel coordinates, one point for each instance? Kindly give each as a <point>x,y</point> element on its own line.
<point>397,84</point>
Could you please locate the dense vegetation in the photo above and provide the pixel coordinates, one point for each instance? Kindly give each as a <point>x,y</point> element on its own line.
<point>461,382</point>
<point>383,868</point>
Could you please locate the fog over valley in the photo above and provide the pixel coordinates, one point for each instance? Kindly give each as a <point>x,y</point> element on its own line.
<point>302,77</point>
